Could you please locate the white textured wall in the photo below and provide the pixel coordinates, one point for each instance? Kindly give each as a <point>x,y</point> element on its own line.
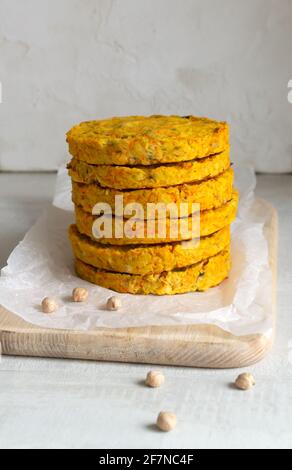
<point>63,61</point>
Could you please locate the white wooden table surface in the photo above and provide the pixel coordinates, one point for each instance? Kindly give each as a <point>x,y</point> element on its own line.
<point>47,403</point>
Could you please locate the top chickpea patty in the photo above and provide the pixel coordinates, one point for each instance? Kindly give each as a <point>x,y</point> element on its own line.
<point>140,140</point>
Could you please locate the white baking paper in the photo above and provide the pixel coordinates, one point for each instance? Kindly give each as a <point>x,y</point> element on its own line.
<point>42,265</point>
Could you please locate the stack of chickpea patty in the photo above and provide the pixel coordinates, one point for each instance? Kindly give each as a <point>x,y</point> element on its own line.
<point>158,160</point>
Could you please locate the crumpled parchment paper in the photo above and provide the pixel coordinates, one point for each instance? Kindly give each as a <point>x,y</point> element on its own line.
<point>42,265</point>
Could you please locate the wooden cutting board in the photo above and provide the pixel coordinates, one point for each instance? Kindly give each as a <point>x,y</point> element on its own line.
<point>192,345</point>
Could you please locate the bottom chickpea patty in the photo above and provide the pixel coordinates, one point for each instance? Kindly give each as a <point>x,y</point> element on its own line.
<point>147,259</point>
<point>197,277</point>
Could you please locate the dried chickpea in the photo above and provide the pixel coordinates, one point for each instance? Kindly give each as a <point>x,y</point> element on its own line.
<point>113,303</point>
<point>154,379</point>
<point>49,305</point>
<point>166,421</point>
<point>245,381</point>
<point>79,294</point>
